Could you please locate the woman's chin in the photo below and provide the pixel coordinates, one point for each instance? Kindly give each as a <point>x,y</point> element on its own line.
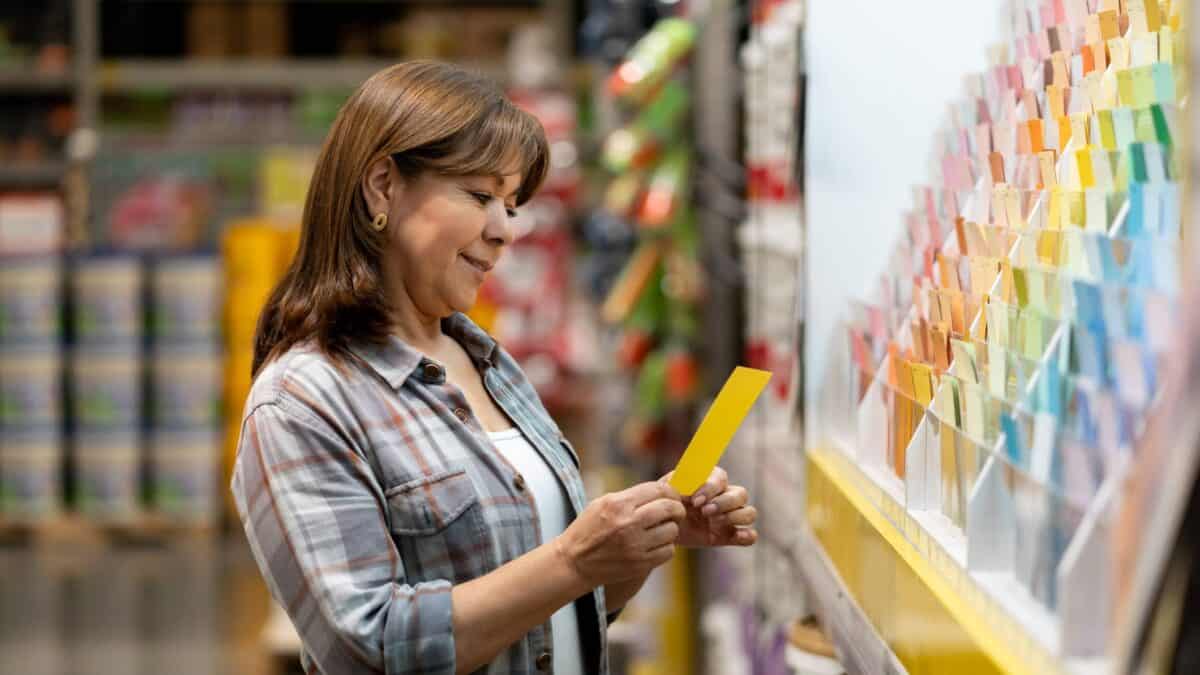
<point>465,301</point>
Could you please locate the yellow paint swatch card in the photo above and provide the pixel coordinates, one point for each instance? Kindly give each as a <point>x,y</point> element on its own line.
<point>1109,27</point>
<point>1083,160</point>
<point>1054,101</point>
<point>1057,216</point>
<point>720,423</point>
<point>1064,132</point>
<point>1079,126</point>
<point>1166,43</point>
<point>922,376</point>
<point>1046,166</point>
<point>1108,139</point>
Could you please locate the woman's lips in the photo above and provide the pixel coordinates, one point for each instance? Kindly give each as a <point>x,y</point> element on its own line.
<point>481,265</point>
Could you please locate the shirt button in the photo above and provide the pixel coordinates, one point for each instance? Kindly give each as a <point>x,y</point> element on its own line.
<point>519,482</point>
<point>433,371</point>
<point>462,414</point>
<point>543,661</point>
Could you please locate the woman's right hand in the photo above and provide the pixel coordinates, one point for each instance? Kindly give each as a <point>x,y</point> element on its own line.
<point>623,535</point>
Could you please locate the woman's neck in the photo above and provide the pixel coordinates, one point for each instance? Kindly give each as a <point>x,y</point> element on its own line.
<point>421,331</point>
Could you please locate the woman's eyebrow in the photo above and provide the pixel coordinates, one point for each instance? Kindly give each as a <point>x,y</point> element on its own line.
<point>499,180</point>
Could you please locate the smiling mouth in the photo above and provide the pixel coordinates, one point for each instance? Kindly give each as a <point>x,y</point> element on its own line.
<point>478,264</point>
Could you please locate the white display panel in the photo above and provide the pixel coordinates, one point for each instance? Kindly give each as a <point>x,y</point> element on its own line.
<point>880,75</point>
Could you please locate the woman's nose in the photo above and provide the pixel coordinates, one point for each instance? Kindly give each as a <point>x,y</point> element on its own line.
<point>498,230</point>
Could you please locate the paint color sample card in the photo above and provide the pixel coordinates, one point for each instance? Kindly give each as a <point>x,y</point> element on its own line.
<point>721,422</point>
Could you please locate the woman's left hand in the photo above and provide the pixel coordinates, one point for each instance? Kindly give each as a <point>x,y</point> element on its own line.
<point>718,514</point>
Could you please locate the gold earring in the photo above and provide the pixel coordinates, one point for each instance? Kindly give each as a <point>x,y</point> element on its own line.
<point>380,222</point>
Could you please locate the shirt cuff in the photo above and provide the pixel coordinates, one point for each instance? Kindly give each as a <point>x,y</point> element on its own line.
<point>420,630</point>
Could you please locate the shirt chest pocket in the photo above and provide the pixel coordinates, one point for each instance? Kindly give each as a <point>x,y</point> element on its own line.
<point>439,529</point>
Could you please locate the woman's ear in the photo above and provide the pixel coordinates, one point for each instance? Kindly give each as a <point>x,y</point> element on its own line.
<point>378,187</point>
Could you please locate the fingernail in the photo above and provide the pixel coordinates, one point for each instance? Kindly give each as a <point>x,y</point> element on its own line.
<point>699,500</point>
<point>709,510</point>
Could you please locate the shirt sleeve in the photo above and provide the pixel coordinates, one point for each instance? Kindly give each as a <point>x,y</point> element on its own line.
<point>314,515</point>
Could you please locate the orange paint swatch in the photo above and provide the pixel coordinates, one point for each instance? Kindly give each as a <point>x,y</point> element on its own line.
<point>1036,136</point>
<point>996,162</point>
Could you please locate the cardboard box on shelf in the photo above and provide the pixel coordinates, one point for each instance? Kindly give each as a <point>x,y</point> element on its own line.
<point>485,34</point>
<point>211,29</point>
<point>266,35</point>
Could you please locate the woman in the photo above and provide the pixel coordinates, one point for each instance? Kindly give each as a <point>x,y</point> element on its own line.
<point>411,504</point>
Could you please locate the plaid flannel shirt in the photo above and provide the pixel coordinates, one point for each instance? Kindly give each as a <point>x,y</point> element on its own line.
<point>366,493</point>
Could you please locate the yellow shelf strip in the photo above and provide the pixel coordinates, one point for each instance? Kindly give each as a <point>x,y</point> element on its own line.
<point>994,631</point>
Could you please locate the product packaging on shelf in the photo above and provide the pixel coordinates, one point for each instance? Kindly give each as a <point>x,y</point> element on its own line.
<point>31,223</point>
<point>106,387</point>
<point>640,143</point>
<point>184,473</point>
<point>30,299</point>
<point>186,293</point>
<point>108,471</point>
<point>30,479</point>
<point>186,386</point>
<point>652,60</point>
<point>30,388</point>
<point>106,296</point>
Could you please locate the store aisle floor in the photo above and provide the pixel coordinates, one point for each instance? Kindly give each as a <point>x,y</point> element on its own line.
<point>75,610</point>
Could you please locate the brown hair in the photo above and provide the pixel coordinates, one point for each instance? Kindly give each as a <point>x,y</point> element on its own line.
<point>426,116</point>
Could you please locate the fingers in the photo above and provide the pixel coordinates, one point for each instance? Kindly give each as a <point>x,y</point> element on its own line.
<point>717,482</point>
<point>742,517</point>
<point>660,511</point>
<point>734,497</point>
<point>650,491</point>
<point>661,555</point>
<point>662,535</point>
<point>744,537</point>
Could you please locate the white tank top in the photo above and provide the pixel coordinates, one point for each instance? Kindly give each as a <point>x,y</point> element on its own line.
<point>553,508</point>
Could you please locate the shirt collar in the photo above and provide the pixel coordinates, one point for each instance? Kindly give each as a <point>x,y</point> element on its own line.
<point>395,360</point>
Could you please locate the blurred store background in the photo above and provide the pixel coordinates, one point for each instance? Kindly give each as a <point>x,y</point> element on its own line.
<point>154,157</point>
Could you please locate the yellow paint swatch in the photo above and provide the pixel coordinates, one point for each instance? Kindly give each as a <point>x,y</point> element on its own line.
<point>1109,28</point>
<point>1153,18</point>
<point>1054,101</point>
<point>1064,132</point>
<point>1083,159</point>
<point>720,423</point>
<point>1108,139</point>
<point>1046,165</point>
<point>922,383</point>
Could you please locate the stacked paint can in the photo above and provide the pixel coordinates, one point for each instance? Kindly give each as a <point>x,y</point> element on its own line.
<point>105,385</point>
<point>31,413</point>
<point>185,368</point>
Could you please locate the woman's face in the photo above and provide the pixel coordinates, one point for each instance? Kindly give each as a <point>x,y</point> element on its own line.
<point>448,232</point>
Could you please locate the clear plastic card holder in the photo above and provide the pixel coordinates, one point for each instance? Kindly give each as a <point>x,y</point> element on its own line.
<point>1085,578</point>
<point>1045,522</point>
<point>838,398</point>
<point>1025,250</point>
<point>952,464</point>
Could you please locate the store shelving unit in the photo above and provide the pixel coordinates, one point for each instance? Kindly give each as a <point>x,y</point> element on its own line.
<point>12,81</point>
<point>26,174</point>
<point>133,75</point>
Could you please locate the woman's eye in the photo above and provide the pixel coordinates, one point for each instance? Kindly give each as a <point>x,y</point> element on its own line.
<point>482,197</point>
